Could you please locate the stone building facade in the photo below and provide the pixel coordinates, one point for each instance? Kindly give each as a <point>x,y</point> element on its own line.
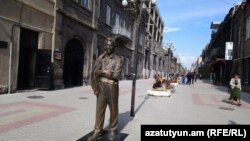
<point>26,31</point>
<point>53,44</point>
<point>235,28</point>
<point>115,21</point>
<point>75,38</point>
<point>245,45</point>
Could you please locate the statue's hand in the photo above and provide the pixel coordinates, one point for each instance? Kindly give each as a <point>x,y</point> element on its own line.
<point>95,92</point>
<point>107,72</point>
<point>98,72</point>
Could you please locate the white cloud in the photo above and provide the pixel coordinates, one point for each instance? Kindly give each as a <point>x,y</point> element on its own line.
<point>171,29</point>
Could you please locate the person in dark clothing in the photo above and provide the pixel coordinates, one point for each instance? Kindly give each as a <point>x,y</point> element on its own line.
<point>192,78</point>
<point>195,77</point>
<point>189,77</point>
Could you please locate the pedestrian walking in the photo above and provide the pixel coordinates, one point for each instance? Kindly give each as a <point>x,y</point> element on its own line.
<point>192,78</point>
<point>235,84</point>
<point>189,77</point>
<point>195,77</point>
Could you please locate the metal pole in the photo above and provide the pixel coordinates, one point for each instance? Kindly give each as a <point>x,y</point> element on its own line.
<point>138,19</point>
<point>230,62</point>
<point>168,63</point>
<point>10,60</point>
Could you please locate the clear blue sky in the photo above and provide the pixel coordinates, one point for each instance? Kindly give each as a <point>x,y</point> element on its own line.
<point>187,24</point>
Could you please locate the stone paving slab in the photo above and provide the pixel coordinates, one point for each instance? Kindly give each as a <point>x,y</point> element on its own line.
<point>201,103</point>
<point>104,136</point>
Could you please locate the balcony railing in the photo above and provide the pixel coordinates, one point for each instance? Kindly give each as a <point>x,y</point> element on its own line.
<point>121,31</point>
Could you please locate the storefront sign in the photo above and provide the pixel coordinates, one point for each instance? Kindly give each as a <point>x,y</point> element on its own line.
<point>57,55</point>
<point>229,51</point>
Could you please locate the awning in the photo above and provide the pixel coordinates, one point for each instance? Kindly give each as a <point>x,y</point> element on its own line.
<point>218,62</point>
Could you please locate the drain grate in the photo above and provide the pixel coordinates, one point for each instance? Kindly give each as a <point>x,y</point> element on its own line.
<point>83,98</point>
<point>226,108</point>
<point>35,97</point>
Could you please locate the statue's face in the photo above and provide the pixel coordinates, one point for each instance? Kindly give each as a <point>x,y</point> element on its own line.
<point>109,47</point>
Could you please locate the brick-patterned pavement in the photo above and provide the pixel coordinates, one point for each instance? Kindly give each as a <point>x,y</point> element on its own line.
<point>69,114</point>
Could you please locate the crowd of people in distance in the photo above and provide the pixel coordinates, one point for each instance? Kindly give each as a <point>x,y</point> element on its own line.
<point>189,78</point>
<point>182,79</point>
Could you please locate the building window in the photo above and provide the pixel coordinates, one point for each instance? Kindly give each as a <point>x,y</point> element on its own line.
<point>246,74</point>
<point>129,31</point>
<point>99,8</point>
<point>123,24</point>
<point>126,65</point>
<point>117,20</point>
<point>248,28</point>
<point>141,39</point>
<point>125,61</point>
<point>85,3</point>
<point>108,12</point>
<point>163,65</point>
<point>239,36</point>
<point>154,64</point>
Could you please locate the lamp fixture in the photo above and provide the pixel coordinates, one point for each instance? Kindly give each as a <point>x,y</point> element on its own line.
<point>124,3</point>
<point>154,1</point>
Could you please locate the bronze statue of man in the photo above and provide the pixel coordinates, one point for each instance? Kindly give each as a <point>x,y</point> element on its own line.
<point>105,76</point>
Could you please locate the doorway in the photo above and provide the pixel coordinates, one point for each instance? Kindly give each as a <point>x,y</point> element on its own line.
<point>73,64</point>
<point>43,76</point>
<point>27,59</point>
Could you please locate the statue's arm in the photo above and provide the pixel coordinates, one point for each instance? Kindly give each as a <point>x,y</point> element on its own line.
<point>95,74</point>
<point>116,72</point>
<point>118,69</point>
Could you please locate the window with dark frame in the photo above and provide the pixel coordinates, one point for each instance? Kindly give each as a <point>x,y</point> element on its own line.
<point>85,3</point>
<point>108,13</point>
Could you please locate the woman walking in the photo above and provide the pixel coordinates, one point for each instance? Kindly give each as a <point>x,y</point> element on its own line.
<point>235,85</point>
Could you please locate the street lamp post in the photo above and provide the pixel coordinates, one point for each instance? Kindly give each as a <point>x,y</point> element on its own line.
<point>170,47</point>
<point>134,77</point>
<point>138,20</point>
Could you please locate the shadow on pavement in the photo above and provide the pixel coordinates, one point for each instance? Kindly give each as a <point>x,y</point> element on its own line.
<point>223,88</point>
<point>226,101</point>
<point>232,122</point>
<point>104,136</point>
<point>124,119</point>
<point>139,107</point>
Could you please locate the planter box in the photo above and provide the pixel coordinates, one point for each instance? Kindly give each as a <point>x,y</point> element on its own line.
<point>159,92</point>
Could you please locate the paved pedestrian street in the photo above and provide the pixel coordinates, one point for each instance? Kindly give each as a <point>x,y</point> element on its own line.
<point>69,114</point>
